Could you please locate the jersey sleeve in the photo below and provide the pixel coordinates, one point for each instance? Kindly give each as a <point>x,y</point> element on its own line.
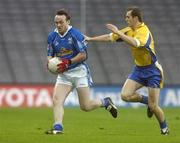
<point>115,37</point>
<point>50,39</point>
<point>79,41</point>
<point>143,38</point>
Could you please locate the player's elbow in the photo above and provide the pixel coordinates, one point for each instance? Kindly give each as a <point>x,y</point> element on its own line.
<point>136,42</point>
<point>83,56</point>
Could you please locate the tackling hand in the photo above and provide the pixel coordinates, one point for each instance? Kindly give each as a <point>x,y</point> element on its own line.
<point>87,38</point>
<point>113,28</point>
<point>63,66</point>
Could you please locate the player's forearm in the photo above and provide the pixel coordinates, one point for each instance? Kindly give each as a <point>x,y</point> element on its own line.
<point>80,57</point>
<point>102,38</point>
<point>129,40</point>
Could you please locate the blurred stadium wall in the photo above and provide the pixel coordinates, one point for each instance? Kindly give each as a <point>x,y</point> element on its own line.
<point>25,24</point>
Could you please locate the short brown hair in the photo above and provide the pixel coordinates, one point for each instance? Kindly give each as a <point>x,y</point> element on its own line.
<point>63,12</point>
<point>135,11</point>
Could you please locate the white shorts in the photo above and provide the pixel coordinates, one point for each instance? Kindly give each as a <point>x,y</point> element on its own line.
<point>76,77</point>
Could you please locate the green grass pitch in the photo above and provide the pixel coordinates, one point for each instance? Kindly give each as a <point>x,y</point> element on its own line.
<point>27,125</point>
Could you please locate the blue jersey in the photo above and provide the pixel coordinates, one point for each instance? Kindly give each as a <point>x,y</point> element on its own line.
<point>66,46</point>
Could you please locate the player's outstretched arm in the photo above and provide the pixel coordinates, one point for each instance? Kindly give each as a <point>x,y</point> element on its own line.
<point>129,40</point>
<point>101,38</point>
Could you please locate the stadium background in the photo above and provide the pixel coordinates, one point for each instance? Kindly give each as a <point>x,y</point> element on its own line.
<point>25,81</point>
<point>25,24</point>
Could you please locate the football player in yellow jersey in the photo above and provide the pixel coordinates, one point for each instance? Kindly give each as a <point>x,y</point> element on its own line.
<point>147,71</point>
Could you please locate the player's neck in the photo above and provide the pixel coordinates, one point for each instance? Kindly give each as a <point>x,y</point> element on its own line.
<point>136,25</point>
<point>62,34</point>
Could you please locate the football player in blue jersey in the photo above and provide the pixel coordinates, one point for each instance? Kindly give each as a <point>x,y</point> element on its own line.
<point>147,71</point>
<point>68,43</point>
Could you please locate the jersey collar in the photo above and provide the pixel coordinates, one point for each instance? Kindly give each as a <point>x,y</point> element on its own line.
<point>69,27</point>
<point>142,24</point>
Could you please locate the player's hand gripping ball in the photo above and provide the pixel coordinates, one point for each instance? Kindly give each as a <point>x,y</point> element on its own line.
<point>63,65</point>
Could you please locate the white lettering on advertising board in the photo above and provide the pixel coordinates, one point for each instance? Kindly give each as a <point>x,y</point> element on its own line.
<point>38,96</point>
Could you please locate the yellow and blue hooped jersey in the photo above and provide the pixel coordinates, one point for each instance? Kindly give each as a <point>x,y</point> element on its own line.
<point>144,54</point>
<point>147,71</point>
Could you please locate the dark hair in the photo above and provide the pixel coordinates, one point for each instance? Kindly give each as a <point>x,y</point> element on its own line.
<point>135,11</point>
<point>63,12</point>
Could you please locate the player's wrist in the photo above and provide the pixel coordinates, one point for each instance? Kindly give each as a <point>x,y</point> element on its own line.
<point>66,61</point>
<point>90,39</point>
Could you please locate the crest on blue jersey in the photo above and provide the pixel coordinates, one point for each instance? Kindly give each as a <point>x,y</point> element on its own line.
<point>70,40</point>
<point>56,43</point>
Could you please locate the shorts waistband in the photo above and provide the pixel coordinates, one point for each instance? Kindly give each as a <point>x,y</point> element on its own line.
<point>148,66</point>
